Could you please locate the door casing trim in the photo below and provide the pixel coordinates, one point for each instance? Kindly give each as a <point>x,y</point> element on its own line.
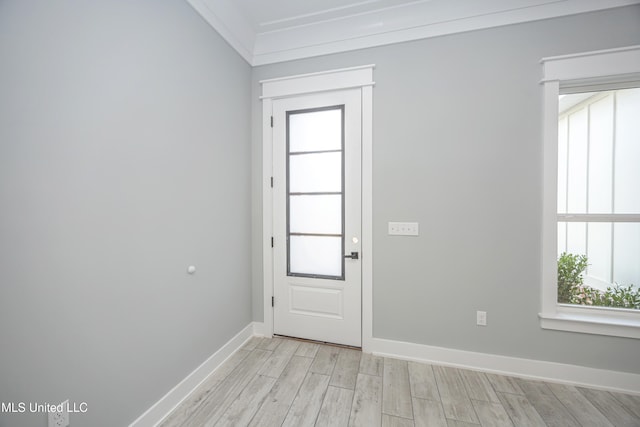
<point>303,84</point>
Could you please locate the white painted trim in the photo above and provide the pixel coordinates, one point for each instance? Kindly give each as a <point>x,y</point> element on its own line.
<point>225,17</point>
<point>361,76</point>
<point>602,65</point>
<point>258,329</point>
<point>331,80</point>
<point>367,217</point>
<point>592,324</point>
<point>549,200</point>
<point>267,216</point>
<point>163,407</point>
<point>591,53</point>
<point>400,23</point>
<point>592,65</point>
<point>318,74</point>
<point>412,21</point>
<point>505,365</point>
<point>526,368</point>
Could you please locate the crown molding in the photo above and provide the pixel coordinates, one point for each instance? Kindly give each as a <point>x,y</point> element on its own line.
<point>225,17</point>
<point>410,21</point>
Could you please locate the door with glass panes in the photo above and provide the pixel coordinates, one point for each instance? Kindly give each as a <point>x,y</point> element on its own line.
<point>317,216</point>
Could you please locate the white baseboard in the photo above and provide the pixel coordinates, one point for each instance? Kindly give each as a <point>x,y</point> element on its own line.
<point>505,365</point>
<point>154,415</point>
<point>258,329</point>
<point>525,368</point>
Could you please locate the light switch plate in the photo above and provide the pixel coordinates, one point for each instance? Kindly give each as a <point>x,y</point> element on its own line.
<point>403,229</point>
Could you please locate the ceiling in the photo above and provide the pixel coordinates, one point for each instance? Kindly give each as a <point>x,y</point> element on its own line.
<point>269,31</point>
<point>278,14</point>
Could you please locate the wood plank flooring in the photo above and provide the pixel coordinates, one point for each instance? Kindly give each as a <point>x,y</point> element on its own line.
<point>285,382</point>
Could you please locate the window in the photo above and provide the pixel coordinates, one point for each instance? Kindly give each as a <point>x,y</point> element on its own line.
<point>315,190</point>
<point>599,197</point>
<point>591,209</point>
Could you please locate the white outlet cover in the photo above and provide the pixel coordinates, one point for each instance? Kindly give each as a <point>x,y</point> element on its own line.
<point>481,318</point>
<point>59,419</point>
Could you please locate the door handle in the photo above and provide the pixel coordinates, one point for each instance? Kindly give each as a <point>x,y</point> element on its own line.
<point>354,255</point>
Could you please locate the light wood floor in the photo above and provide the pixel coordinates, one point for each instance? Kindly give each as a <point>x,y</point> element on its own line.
<point>283,382</point>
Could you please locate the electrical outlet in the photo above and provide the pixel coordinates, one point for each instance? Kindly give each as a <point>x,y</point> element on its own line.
<point>481,318</point>
<point>60,418</point>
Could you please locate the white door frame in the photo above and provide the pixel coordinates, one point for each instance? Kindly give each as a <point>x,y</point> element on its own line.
<point>345,78</point>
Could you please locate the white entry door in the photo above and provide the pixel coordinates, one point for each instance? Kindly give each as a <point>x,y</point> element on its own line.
<point>317,217</point>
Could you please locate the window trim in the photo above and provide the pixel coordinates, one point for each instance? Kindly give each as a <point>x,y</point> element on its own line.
<point>588,70</point>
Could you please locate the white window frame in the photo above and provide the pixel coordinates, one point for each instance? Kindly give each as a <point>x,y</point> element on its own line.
<point>592,70</point>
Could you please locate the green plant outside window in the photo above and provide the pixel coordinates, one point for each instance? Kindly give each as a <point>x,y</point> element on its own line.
<point>572,290</point>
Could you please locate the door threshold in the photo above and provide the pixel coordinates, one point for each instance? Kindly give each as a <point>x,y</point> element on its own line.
<point>319,342</point>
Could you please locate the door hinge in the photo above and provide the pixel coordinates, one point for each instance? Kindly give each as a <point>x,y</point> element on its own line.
<point>271,182</point>
<point>271,121</point>
<point>272,242</point>
<point>273,301</point>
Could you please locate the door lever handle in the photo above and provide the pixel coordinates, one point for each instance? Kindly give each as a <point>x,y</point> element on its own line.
<point>354,255</point>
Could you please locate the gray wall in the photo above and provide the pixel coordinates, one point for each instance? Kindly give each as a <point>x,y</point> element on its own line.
<point>457,147</point>
<point>124,158</point>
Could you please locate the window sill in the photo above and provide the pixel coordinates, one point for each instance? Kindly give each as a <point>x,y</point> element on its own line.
<point>592,323</point>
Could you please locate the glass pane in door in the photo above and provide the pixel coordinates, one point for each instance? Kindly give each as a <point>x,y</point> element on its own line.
<point>316,131</point>
<point>315,192</point>
<point>316,256</point>
<point>316,172</point>
<point>316,214</point>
